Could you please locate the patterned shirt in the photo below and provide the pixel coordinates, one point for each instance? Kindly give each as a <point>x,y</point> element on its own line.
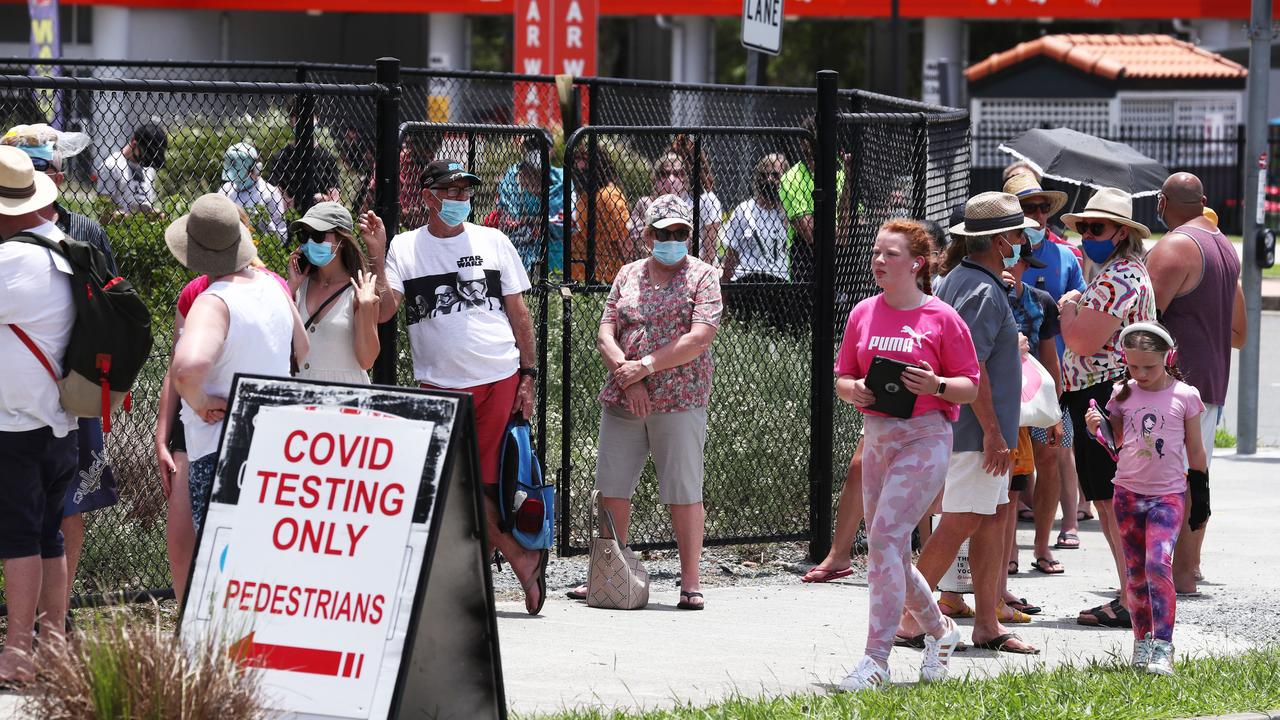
<point>1123,289</point>
<point>647,317</point>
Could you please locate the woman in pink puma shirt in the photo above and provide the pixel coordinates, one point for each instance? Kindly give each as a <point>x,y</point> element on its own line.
<point>904,460</point>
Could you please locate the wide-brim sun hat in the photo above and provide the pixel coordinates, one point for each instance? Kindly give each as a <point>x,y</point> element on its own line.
<point>210,239</point>
<point>990,213</point>
<point>22,189</point>
<point>1024,186</point>
<point>1111,204</point>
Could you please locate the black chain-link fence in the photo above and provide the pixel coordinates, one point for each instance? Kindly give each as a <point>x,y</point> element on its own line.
<point>575,228</point>
<point>156,146</point>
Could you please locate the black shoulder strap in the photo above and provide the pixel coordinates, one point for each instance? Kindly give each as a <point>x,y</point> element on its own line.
<point>315,316</point>
<point>31,238</point>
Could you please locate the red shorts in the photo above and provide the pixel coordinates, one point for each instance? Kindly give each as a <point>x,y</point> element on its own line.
<point>493,403</point>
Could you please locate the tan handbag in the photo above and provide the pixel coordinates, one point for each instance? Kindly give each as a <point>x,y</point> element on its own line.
<point>615,576</point>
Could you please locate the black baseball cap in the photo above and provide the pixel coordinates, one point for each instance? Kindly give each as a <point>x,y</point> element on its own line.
<point>442,172</point>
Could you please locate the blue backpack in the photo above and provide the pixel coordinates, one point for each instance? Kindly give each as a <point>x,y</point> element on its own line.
<point>526,507</point>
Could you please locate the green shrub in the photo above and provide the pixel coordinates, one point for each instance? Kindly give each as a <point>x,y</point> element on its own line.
<point>1222,438</point>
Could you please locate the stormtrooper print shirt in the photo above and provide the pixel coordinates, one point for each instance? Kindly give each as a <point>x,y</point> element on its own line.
<point>453,289</point>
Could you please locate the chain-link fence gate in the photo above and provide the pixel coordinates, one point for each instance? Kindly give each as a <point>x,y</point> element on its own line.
<point>340,139</point>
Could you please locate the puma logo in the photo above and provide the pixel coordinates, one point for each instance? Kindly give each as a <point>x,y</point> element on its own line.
<point>918,337</point>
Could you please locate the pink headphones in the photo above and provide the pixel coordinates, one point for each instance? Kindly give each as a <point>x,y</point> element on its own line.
<point>1170,357</point>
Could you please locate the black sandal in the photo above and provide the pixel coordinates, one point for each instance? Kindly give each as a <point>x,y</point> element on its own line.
<point>1097,617</point>
<point>685,597</point>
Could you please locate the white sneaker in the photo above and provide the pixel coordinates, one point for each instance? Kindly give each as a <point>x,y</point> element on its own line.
<point>937,653</point>
<point>868,675</point>
<point>1141,652</point>
<point>1161,662</point>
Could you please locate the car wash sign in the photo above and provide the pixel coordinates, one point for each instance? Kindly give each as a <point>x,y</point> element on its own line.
<point>311,556</point>
<point>762,25</point>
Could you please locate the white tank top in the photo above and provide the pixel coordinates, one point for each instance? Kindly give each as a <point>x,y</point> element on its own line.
<point>259,341</point>
<point>333,348</point>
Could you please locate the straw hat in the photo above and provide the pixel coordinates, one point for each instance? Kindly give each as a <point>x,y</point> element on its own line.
<point>22,189</point>
<point>990,213</point>
<point>1111,204</point>
<point>210,239</point>
<point>1024,186</point>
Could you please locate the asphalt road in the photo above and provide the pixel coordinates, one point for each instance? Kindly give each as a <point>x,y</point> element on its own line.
<point>1268,389</point>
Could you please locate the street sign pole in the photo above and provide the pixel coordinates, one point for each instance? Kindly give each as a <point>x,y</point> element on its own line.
<point>1255,164</point>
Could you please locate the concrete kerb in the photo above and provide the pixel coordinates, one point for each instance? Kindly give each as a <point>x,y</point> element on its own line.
<point>1273,715</point>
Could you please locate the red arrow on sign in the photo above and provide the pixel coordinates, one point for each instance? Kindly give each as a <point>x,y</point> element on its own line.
<point>333,663</point>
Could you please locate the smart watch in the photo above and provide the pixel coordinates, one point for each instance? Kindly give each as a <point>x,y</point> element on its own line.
<point>942,387</point>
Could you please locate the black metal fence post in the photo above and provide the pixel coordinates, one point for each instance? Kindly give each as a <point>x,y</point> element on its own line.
<point>304,138</point>
<point>822,381</point>
<point>387,197</point>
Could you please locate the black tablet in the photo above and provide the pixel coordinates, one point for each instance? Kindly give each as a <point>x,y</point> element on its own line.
<point>884,380</point>
<point>1105,436</point>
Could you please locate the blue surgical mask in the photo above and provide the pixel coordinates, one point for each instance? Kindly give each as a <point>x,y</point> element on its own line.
<point>669,252</point>
<point>454,212</point>
<point>1098,250</point>
<point>1009,262</point>
<point>1035,235</point>
<point>316,253</point>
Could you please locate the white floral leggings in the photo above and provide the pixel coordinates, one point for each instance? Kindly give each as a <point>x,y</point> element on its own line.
<point>904,465</point>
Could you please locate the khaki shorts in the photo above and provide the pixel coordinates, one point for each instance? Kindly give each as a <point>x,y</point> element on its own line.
<point>971,489</point>
<point>675,440</point>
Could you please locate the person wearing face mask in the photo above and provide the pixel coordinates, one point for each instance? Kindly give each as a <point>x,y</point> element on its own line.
<point>244,186</point>
<point>1118,296</point>
<point>755,242</point>
<point>336,295</point>
<point>128,176</point>
<point>975,497</point>
<point>485,348</point>
<point>1196,275</point>
<point>671,176</point>
<point>655,338</point>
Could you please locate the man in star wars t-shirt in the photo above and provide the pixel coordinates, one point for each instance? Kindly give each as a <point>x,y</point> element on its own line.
<point>462,286</point>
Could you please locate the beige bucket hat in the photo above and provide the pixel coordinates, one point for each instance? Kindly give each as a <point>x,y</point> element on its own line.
<point>990,213</point>
<point>22,189</point>
<point>210,239</point>
<point>1111,204</point>
<point>1024,186</point>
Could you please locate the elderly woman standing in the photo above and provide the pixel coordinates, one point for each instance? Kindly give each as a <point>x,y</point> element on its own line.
<point>1119,295</point>
<point>655,338</point>
<point>242,323</point>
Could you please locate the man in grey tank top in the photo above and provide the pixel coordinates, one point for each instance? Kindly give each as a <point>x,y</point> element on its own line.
<point>1196,274</point>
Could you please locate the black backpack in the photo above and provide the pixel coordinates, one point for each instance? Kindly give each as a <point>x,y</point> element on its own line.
<point>110,339</point>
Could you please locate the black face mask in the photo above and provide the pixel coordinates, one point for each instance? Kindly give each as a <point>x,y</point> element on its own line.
<point>768,190</point>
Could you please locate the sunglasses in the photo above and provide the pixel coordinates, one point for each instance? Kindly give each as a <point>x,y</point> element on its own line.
<point>312,235</point>
<point>1095,229</point>
<point>1030,207</point>
<point>666,235</point>
<point>455,193</point>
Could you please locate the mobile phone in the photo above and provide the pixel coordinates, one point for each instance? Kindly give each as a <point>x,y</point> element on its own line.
<point>304,265</point>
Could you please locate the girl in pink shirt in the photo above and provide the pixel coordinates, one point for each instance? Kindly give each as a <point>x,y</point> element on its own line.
<point>1154,417</point>
<point>904,460</point>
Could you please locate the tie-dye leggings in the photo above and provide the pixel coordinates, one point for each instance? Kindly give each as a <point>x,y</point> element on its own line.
<point>904,465</point>
<point>1149,526</point>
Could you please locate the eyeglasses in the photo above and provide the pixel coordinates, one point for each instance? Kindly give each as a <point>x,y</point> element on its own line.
<point>455,192</point>
<point>1031,207</point>
<point>665,235</point>
<point>1095,229</point>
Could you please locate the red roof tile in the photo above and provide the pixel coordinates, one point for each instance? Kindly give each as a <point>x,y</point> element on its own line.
<point>1114,56</point>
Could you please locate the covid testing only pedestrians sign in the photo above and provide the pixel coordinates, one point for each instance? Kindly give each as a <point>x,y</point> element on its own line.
<point>315,564</point>
<point>762,25</point>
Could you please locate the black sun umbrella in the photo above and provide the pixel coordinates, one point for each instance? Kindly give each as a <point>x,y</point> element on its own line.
<point>1081,159</point>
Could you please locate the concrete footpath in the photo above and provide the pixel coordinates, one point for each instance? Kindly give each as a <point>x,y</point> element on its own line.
<point>796,638</point>
<point>786,637</point>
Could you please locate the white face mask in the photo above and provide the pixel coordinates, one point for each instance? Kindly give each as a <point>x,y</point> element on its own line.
<point>1036,235</point>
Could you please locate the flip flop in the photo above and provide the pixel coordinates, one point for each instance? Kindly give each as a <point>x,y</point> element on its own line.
<point>917,642</point>
<point>1021,605</point>
<point>1000,643</point>
<point>1054,567</point>
<point>1067,541</point>
<point>1192,594</point>
<point>1081,516</point>
<point>951,611</point>
<point>684,603</point>
<point>575,594</point>
<point>819,574</point>
<point>540,578</point>
<point>1017,618</point>
<point>1026,515</point>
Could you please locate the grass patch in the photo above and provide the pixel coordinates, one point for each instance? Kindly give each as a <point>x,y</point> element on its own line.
<point>1222,438</point>
<point>1100,689</point>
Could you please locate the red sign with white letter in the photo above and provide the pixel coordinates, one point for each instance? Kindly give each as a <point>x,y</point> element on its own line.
<point>552,37</point>
<point>575,34</point>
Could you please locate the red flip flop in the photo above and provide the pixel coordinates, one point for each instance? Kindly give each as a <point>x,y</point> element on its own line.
<point>818,574</point>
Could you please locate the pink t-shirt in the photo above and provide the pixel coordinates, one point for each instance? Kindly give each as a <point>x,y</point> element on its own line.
<point>1153,459</point>
<point>201,283</point>
<point>933,333</point>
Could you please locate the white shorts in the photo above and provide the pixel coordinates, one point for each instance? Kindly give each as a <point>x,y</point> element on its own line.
<point>971,489</point>
<point>1208,426</point>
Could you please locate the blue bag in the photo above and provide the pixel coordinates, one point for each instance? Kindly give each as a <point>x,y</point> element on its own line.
<point>526,507</point>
